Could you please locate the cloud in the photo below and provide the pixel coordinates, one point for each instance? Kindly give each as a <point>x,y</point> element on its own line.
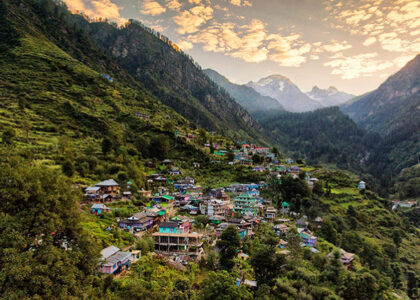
<point>152,8</point>
<point>361,65</point>
<point>97,9</point>
<point>402,60</point>
<point>190,20</point>
<point>369,41</point>
<point>173,5</point>
<point>252,43</point>
<point>241,2</point>
<point>185,45</point>
<point>336,46</point>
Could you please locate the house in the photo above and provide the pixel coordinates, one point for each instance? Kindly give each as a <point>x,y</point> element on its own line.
<point>183,223</point>
<point>403,204</point>
<point>243,233</point>
<point>301,223</point>
<point>144,193</point>
<point>99,208</point>
<point>294,169</point>
<point>280,229</point>
<point>92,193</point>
<point>170,227</point>
<point>318,222</point>
<point>361,185</point>
<point>245,203</point>
<point>243,256</point>
<point>213,207</point>
<point>216,219</point>
<point>135,255</point>
<point>308,238</point>
<point>109,187</point>
<point>174,172</point>
<point>345,257</point>
<point>196,165</point>
<point>167,162</point>
<point>259,169</point>
<point>178,243</point>
<point>137,222</point>
<point>270,213</point>
<point>282,244</point>
<point>114,261</point>
<point>285,207</point>
<point>312,181</point>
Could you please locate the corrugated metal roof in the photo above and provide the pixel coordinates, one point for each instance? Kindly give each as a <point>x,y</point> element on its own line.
<point>107,252</point>
<point>109,182</point>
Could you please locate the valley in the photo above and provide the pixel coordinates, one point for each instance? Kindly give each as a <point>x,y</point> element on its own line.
<point>128,172</point>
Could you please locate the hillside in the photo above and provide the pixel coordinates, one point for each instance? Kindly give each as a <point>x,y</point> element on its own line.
<point>285,92</point>
<point>63,112</point>
<point>393,112</point>
<point>329,97</point>
<point>325,135</point>
<point>85,147</point>
<point>173,77</point>
<point>247,97</point>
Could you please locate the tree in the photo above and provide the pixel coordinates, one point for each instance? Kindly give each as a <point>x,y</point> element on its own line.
<point>228,245</point>
<point>159,146</point>
<point>44,252</point>
<point>68,168</point>
<point>328,231</point>
<point>169,126</point>
<point>221,286</point>
<point>266,264</point>
<point>8,135</point>
<point>396,237</point>
<point>106,146</point>
<point>359,287</point>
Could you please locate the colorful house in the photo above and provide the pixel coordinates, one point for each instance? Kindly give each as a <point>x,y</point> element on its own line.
<point>308,238</point>
<point>114,260</point>
<point>170,227</point>
<point>245,204</point>
<point>285,207</point>
<point>99,208</point>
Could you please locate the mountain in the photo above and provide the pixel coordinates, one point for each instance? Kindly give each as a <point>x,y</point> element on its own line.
<point>173,77</point>
<point>246,96</point>
<point>285,92</point>
<point>329,97</point>
<point>393,105</point>
<point>392,112</point>
<point>324,135</point>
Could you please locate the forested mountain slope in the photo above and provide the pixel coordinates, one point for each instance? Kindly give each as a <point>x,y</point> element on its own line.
<point>393,112</point>
<point>323,135</point>
<point>173,77</point>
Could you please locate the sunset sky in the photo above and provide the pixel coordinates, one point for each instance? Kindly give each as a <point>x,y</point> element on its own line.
<point>353,45</point>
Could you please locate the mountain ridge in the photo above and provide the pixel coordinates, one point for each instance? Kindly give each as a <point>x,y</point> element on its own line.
<point>329,97</point>
<point>285,92</point>
<point>246,96</point>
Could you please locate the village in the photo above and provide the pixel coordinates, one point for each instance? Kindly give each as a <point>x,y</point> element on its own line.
<point>181,218</point>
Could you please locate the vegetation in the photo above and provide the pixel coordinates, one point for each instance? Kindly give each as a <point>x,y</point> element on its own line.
<point>64,125</point>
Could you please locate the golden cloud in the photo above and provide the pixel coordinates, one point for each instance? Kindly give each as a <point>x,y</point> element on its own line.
<point>152,8</point>
<point>97,9</point>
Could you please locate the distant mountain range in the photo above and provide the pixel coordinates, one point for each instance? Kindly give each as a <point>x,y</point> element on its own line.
<point>246,96</point>
<point>278,93</point>
<point>285,92</point>
<point>329,97</point>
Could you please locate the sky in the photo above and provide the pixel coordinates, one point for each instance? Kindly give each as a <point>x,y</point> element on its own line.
<point>352,45</point>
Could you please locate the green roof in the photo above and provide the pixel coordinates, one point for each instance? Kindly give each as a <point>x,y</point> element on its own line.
<point>285,204</point>
<point>166,197</point>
